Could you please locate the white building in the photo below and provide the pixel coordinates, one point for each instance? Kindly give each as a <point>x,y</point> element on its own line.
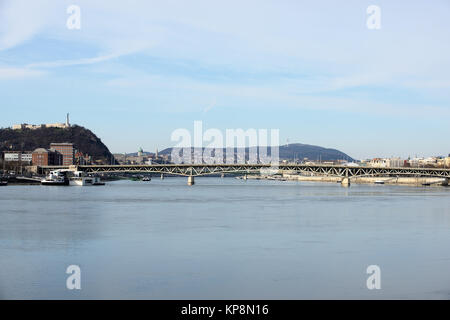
<point>378,163</point>
<point>395,163</point>
<point>16,156</point>
<point>46,125</point>
<point>386,163</point>
<point>425,162</point>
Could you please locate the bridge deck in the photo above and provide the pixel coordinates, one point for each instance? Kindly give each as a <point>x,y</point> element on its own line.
<point>209,169</point>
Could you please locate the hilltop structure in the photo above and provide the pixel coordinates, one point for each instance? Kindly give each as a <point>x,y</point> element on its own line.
<point>45,125</point>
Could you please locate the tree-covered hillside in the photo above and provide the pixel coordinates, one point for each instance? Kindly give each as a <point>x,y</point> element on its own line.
<point>83,139</point>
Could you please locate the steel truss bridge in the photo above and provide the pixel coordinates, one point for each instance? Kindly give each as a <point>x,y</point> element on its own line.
<point>193,170</point>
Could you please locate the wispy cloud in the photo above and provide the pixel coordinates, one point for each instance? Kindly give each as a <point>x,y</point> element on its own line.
<point>20,20</point>
<point>66,63</point>
<point>18,73</point>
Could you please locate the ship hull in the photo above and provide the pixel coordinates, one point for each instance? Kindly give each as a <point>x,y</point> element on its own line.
<point>55,183</point>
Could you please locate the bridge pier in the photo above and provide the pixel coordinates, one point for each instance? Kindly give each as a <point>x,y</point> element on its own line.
<point>162,176</point>
<point>345,182</point>
<point>190,180</point>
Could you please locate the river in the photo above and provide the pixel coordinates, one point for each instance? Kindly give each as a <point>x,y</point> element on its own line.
<point>224,239</point>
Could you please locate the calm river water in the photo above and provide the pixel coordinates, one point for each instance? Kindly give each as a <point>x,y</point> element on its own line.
<point>224,239</point>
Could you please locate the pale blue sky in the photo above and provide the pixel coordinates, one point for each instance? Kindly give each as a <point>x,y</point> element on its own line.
<point>137,70</point>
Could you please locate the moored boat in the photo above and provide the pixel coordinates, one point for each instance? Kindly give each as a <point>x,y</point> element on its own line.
<point>97,182</point>
<point>55,178</point>
<point>80,180</point>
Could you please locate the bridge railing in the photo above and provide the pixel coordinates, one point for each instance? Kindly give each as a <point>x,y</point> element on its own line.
<point>208,169</point>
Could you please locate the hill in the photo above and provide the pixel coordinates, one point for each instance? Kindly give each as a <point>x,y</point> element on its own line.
<point>83,139</point>
<point>298,151</point>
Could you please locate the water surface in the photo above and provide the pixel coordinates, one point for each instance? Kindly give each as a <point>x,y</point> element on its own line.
<point>224,239</point>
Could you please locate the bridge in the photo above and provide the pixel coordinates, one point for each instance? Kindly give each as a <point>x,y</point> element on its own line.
<point>194,170</point>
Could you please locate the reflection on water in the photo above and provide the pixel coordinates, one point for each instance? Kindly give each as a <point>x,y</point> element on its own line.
<point>224,239</point>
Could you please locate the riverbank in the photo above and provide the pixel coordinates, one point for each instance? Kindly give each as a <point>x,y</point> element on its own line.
<point>411,181</point>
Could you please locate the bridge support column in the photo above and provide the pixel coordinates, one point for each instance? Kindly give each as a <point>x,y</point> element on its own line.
<point>162,176</point>
<point>222,175</point>
<point>190,180</point>
<point>345,182</point>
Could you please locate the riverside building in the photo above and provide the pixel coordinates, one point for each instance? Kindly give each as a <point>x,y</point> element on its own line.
<point>66,150</point>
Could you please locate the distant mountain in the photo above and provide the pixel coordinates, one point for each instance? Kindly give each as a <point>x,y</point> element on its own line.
<point>83,139</point>
<point>298,151</point>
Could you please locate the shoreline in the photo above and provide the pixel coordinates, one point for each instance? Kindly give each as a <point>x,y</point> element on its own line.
<point>408,181</point>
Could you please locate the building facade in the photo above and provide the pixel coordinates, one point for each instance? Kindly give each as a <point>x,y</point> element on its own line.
<point>45,157</point>
<point>395,162</point>
<point>385,162</point>
<point>17,156</point>
<point>66,150</point>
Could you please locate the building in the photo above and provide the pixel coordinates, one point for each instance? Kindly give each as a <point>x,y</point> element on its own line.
<point>378,163</point>
<point>447,162</point>
<point>45,157</point>
<point>45,125</point>
<point>424,162</point>
<point>395,163</point>
<point>66,150</point>
<point>17,156</point>
<point>27,126</point>
<point>385,162</point>
<point>82,159</point>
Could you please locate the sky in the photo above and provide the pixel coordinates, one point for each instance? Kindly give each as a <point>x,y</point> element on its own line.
<point>136,71</point>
